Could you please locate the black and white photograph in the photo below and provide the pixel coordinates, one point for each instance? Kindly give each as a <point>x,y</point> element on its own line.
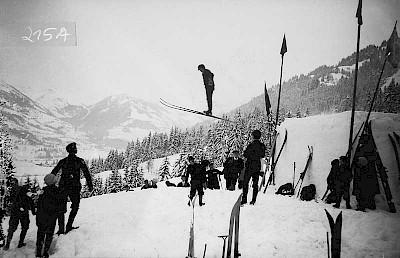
<point>189,129</point>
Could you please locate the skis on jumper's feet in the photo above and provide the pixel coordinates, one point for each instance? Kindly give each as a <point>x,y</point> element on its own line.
<point>167,104</point>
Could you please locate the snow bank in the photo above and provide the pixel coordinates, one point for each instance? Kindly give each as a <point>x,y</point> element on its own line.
<point>155,222</point>
<point>329,135</point>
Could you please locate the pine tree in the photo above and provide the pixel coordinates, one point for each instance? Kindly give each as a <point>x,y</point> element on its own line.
<point>164,170</point>
<point>179,165</point>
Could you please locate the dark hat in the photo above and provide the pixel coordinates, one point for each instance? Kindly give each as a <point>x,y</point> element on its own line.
<point>205,162</point>
<point>343,158</point>
<point>201,66</point>
<point>256,134</point>
<point>190,158</point>
<point>50,179</point>
<point>71,148</point>
<point>235,151</point>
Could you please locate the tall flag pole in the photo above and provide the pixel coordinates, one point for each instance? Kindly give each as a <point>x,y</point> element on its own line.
<point>360,22</point>
<point>283,51</point>
<point>393,56</point>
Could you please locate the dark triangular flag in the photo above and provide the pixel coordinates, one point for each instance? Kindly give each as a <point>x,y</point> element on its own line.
<point>358,14</point>
<point>283,48</point>
<point>393,48</point>
<point>267,102</point>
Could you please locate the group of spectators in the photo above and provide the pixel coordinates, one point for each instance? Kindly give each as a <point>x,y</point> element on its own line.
<point>51,203</point>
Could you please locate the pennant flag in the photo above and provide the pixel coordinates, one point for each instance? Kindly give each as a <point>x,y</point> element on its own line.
<point>283,48</point>
<point>393,48</point>
<point>358,14</point>
<point>267,102</point>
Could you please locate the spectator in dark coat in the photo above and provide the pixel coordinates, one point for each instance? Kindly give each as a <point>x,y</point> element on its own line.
<point>339,180</point>
<point>70,183</point>
<point>184,182</point>
<point>208,80</point>
<point>21,203</point>
<point>253,154</point>
<point>49,205</point>
<point>197,173</point>
<point>365,184</point>
<point>212,177</point>
<point>232,169</point>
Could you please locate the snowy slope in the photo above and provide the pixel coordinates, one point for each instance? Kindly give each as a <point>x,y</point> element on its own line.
<point>329,135</point>
<point>155,222</point>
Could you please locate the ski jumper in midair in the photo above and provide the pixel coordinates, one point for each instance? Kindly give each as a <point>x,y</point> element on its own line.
<point>208,79</point>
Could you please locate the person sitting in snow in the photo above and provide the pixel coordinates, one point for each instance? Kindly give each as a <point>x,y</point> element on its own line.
<point>232,169</point>
<point>197,173</point>
<point>145,185</point>
<point>169,184</point>
<point>50,204</point>
<point>212,177</point>
<point>21,203</point>
<point>184,182</point>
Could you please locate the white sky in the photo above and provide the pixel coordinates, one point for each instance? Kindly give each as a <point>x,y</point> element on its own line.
<point>151,49</point>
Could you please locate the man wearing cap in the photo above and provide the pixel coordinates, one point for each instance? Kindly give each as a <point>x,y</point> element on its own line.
<point>70,183</point>
<point>208,80</point>
<point>253,154</point>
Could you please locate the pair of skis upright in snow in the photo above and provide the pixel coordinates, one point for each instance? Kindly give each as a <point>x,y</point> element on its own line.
<point>272,163</point>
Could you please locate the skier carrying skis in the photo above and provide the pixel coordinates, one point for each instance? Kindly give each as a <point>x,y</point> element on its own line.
<point>253,154</point>
<point>197,173</point>
<point>212,177</point>
<point>70,183</point>
<point>232,168</point>
<point>208,80</point>
<point>21,203</point>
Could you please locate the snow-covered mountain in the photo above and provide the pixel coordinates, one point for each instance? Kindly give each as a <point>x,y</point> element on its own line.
<point>118,119</point>
<point>48,122</point>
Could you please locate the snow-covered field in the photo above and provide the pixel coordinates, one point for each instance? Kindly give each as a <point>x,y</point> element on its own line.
<point>155,222</point>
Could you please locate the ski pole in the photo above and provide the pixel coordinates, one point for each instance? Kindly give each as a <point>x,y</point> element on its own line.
<point>223,248</point>
<point>294,173</point>
<point>327,240</point>
<point>205,248</point>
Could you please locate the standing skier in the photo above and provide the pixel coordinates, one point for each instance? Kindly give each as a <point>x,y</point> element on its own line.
<point>232,168</point>
<point>197,173</point>
<point>253,154</point>
<point>70,183</point>
<point>208,80</point>
<point>21,203</point>
<point>365,184</point>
